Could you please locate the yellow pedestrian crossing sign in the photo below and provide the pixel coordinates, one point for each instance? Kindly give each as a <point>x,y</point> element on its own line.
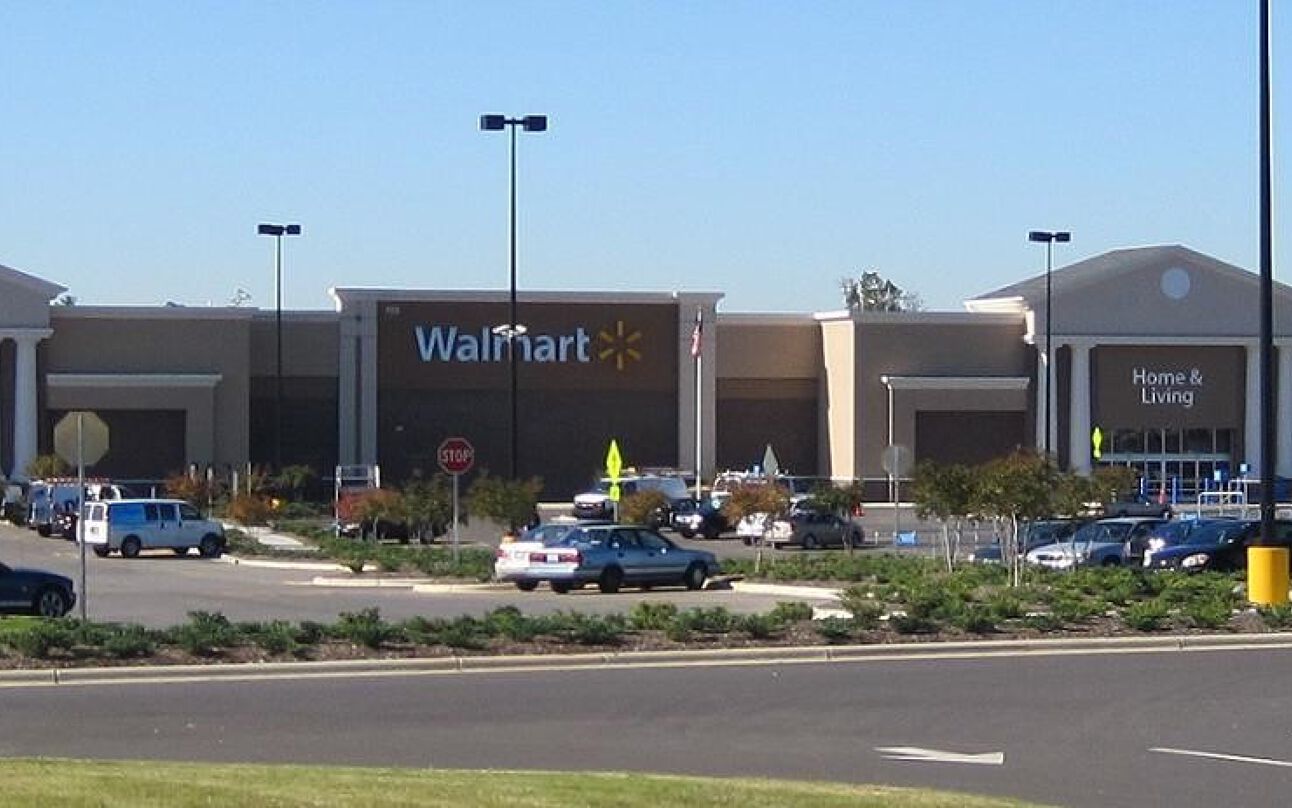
<point>1097,442</point>
<point>614,465</point>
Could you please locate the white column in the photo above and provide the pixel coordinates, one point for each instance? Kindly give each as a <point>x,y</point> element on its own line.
<point>25,423</point>
<point>1079,408</point>
<point>1284,420</point>
<point>1252,413</point>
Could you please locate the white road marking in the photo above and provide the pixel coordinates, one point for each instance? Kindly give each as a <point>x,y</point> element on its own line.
<point>938,756</point>
<point>1221,756</point>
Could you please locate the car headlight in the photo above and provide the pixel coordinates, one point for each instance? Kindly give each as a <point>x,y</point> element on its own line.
<point>1156,544</point>
<point>1195,560</point>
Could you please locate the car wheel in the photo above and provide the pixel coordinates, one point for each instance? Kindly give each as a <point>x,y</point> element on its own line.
<point>44,531</point>
<point>810,542</point>
<point>712,533</point>
<point>855,538</point>
<point>694,577</point>
<point>51,602</point>
<point>130,547</point>
<point>687,534</point>
<point>101,550</point>
<point>210,546</point>
<point>560,587</point>
<point>1111,561</point>
<point>527,586</point>
<point>610,580</point>
<point>748,541</point>
<point>179,551</point>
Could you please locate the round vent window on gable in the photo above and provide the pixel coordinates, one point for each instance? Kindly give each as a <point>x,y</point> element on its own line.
<point>1176,283</point>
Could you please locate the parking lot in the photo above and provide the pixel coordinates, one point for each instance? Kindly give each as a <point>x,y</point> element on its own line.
<point>159,588</point>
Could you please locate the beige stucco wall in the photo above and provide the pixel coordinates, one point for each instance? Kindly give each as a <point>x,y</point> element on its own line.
<point>151,341</point>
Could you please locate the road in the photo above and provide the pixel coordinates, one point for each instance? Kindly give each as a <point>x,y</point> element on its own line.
<point>159,588</point>
<point>1071,730</point>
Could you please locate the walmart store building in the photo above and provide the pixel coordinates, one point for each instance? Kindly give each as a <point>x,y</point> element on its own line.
<point>1155,346</point>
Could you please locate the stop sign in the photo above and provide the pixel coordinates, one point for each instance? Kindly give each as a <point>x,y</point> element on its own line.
<point>456,455</point>
<point>93,438</point>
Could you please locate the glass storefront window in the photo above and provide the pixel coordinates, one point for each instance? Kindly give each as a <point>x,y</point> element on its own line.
<point>1225,441</point>
<point>1172,441</point>
<point>1153,441</point>
<point>1198,441</point>
<point>1128,441</point>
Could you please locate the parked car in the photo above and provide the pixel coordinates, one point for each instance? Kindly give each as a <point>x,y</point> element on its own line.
<point>1221,546</point>
<point>1102,543</point>
<point>1031,535</point>
<point>1138,505</point>
<point>813,528</point>
<point>47,498</point>
<point>514,556</point>
<point>132,525</point>
<point>596,503</point>
<point>1177,532</point>
<point>35,592</point>
<point>610,556</point>
<point>707,519</point>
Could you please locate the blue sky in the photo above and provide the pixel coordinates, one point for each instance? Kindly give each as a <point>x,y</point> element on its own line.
<point>761,149</point>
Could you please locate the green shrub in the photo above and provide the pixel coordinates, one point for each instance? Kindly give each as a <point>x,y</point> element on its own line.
<point>1208,613</point>
<point>975,619</point>
<point>1042,622</point>
<point>707,621</point>
<point>594,629</point>
<point>205,634</point>
<point>757,626</point>
<point>39,639</point>
<point>866,616</point>
<point>652,616</point>
<point>834,629</point>
<point>1276,617</point>
<point>275,637</point>
<point>913,624</point>
<point>1005,605</point>
<point>1146,615</point>
<point>364,627</point>
<point>787,612</point>
<point>1073,609</point>
<point>129,641</point>
<point>311,632</point>
<point>511,623</point>
<point>464,632</point>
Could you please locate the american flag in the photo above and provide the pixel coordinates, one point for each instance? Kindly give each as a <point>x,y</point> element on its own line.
<point>696,333</point>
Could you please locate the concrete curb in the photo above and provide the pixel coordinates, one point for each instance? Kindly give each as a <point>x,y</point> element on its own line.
<point>305,566</point>
<point>787,590</point>
<point>731,656</point>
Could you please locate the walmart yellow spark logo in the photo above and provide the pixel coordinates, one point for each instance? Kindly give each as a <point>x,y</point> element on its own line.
<point>618,346</point>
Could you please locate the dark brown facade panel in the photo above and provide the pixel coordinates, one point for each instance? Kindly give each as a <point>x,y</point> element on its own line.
<point>309,422</point>
<point>968,438</point>
<point>142,444</point>
<point>1153,386</point>
<point>7,351</point>
<point>563,438</point>
<point>747,425</point>
<point>798,389</point>
<point>433,346</point>
<point>780,350</point>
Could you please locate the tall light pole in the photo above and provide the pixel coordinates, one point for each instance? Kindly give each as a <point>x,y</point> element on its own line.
<point>278,231</point>
<point>1049,237</point>
<point>513,329</point>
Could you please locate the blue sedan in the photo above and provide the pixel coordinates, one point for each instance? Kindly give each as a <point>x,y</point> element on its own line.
<point>612,556</point>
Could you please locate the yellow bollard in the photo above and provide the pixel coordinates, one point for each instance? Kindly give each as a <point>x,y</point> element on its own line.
<point>1267,575</point>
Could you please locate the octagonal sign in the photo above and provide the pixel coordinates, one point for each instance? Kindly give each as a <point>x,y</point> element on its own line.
<point>94,438</point>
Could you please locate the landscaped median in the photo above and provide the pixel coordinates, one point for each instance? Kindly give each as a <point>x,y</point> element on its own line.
<point>180,785</point>
<point>881,601</point>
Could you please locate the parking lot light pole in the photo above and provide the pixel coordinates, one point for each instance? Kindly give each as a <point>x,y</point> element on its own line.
<point>513,329</point>
<point>1049,237</point>
<point>278,231</point>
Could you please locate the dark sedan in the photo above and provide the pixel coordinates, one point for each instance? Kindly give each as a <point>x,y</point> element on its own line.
<point>1221,546</point>
<point>35,592</point>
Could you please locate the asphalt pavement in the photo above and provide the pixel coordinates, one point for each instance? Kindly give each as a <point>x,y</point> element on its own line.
<point>1109,730</point>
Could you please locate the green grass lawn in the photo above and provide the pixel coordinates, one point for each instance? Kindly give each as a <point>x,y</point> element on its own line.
<point>176,785</point>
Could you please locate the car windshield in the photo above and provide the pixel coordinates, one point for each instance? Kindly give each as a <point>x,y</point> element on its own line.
<point>1102,531</point>
<point>1216,532</point>
<point>1046,532</point>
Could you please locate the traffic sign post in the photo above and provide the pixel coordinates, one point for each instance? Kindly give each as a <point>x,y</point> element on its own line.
<point>81,438</point>
<point>456,456</point>
<point>897,462</point>
<point>614,465</point>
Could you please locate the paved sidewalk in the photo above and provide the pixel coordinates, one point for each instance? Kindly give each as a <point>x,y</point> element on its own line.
<point>267,537</point>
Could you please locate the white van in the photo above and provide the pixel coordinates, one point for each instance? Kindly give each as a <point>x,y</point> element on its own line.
<point>48,498</point>
<point>131,525</point>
